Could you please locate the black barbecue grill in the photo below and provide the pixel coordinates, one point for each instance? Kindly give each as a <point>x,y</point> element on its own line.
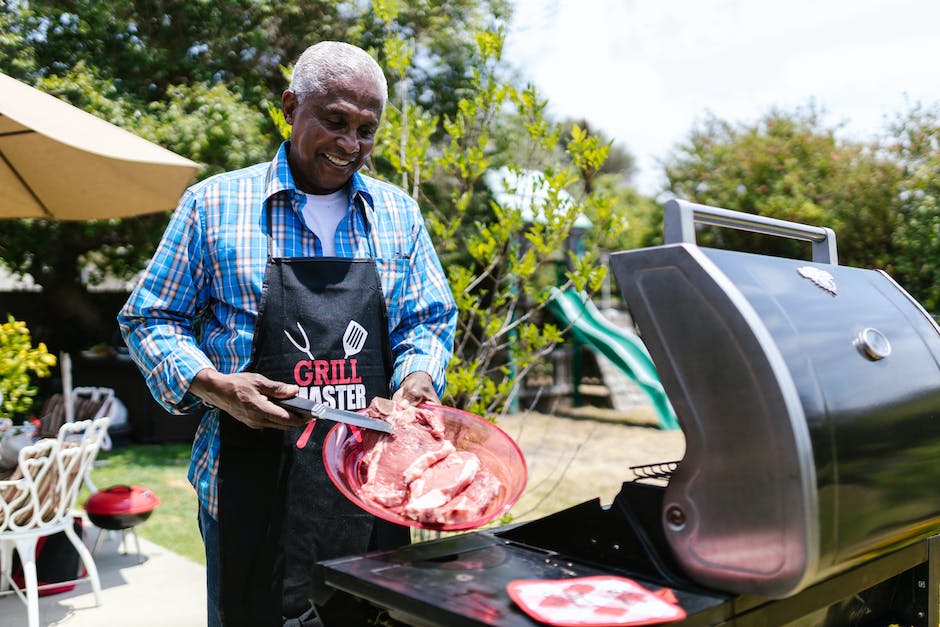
<point>809,397</point>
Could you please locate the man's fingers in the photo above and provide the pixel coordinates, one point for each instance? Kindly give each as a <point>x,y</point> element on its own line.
<point>263,413</point>
<point>279,389</point>
<point>417,388</point>
<point>283,416</point>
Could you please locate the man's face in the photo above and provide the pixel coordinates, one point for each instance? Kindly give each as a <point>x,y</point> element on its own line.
<point>332,134</point>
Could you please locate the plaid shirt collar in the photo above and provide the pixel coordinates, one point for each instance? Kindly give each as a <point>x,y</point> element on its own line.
<point>280,179</point>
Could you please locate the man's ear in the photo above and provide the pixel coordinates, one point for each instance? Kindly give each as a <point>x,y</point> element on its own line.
<point>289,105</point>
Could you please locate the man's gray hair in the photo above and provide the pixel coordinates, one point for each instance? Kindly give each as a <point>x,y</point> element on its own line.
<point>322,64</point>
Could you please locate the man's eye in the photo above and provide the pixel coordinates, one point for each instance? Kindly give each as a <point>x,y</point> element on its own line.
<point>367,132</point>
<point>334,123</point>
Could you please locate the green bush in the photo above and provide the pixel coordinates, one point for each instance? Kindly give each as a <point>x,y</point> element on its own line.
<point>19,363</point>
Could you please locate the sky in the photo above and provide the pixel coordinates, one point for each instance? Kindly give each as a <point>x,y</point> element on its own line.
<point>646,72</point>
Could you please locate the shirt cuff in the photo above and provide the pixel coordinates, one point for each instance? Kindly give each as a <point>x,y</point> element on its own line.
<point>419,363</point>
<point>173,376</point>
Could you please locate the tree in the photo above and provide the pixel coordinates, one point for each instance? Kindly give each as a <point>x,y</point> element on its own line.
<point>916,238</point>
<point>159,71</point>
<point>620,163</point>
<point>209,123</point>
<point>441,37</point>
<point>196,78</point>
<point>501,267</point>
<point>790,166</point>
<point>150,46</point>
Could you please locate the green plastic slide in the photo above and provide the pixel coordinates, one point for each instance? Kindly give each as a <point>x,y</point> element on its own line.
<point>621,346</point>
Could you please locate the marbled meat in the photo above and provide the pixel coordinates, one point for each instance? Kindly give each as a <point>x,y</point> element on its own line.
<point>393,462</point>
<point>417,473</point>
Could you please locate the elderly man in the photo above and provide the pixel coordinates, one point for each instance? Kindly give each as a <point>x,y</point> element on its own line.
<point>260,277</point>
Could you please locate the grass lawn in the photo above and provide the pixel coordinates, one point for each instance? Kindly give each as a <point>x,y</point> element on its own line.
<point>162,468</point>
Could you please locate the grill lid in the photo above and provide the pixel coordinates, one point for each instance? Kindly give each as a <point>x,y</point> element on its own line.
<point>122,499</point>
<point>798,386</point>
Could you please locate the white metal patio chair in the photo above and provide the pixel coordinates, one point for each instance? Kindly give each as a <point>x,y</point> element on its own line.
<point>37,501</point>
<point>87,403</point>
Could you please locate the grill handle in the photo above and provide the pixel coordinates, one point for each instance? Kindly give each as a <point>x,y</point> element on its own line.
<point>680,216</point>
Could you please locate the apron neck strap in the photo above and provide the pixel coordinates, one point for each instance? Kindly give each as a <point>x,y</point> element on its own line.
<point>270,228</point>
<point>372,238</point>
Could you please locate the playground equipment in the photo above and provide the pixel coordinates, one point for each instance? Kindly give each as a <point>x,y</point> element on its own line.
<point>622,347</point>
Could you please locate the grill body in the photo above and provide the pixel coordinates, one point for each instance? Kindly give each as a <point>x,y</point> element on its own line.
<point>809,397</point>
<point>810,441</point>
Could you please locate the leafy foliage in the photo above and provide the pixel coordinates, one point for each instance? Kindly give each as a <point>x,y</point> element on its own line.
<point>148,47</point>
<point>441,38</point>
<point>209,123</point>
<point>20,362</point>
<point>501,259</point>
<point>168,73</point>
<point>916,238</point>
<point>791,167</point>
<point>197,78</point>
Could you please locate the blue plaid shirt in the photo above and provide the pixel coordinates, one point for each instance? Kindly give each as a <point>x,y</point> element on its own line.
<point>196,305</point>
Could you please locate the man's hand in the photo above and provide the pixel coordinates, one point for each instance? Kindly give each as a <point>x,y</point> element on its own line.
<point>244,395</point>
<point>417,388</point>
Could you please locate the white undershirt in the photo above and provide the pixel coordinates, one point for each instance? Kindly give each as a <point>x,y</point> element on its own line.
<point>322,214</point>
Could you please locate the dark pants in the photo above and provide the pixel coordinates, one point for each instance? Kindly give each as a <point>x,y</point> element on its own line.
<point>209,528</point>
<point>344,611</point>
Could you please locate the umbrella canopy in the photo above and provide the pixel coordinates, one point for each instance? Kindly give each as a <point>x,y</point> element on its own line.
<point>59,162</point>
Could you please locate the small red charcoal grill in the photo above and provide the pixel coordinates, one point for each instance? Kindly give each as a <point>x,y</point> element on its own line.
<point>809,397</point>
<point>121,508</point>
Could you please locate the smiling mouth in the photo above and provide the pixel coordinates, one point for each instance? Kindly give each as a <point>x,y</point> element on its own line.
<point>338,161</point>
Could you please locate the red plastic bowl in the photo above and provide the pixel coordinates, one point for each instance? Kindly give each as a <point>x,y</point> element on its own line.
<point>498,453</point>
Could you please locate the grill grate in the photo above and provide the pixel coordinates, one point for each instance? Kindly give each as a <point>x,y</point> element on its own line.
<point>659,471</point>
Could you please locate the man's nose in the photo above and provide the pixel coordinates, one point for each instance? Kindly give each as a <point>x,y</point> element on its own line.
<point>349,142</point>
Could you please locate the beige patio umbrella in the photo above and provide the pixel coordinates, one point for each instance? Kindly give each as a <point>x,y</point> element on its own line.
<point>59,162</point>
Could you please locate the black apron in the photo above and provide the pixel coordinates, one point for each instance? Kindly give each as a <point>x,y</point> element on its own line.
<point>321,325</point>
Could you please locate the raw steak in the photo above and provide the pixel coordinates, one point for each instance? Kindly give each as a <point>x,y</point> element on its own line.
<point>442,482</point>
<point>393,461</point>
<point>417,473</point>
<point>467,505</point>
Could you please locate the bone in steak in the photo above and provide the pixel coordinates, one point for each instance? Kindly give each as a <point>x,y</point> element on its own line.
<point>417,473</point>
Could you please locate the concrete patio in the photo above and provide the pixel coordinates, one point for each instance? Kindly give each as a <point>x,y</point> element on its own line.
<point>160,589</point>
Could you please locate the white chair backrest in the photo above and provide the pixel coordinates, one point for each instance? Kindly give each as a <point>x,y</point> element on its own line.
<point>46,482</point>
<point>81,403</point>
<point>79,443</point>
<point>100,398</point>
<point>91,403</point>
<point>20,498</point>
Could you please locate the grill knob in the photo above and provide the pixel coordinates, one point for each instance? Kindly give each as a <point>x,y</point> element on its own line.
<point>675,517</point>
<point>873,344</point>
